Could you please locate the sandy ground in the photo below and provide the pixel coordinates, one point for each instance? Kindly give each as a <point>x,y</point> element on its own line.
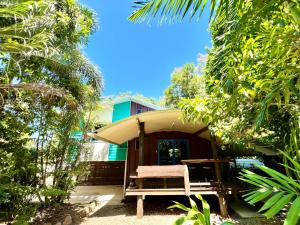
<point>155,215</point>
<point>105,194</point>
<point>113,212</point>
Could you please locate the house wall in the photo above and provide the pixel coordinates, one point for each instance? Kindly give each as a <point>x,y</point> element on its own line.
<point>199,148</point>
<point>135,106</point>
<point>121,111</point>
<point>117,152</point>
<point>99,151</point>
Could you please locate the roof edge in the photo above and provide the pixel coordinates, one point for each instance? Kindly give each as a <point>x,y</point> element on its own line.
<point>141,102</point>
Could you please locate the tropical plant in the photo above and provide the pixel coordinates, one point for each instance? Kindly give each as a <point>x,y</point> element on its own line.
<point>47,91</point>
<point>277,190</point>
<point>185,83</point>
<point>179,9</point>
<point>252,66</point>
<point>194,215</point>
<point>252,82</point>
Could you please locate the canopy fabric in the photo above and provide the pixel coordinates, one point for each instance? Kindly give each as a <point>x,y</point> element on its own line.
<point>154,121</point>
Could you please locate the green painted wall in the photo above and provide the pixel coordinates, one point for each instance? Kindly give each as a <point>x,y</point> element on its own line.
<point>117,152</point>
<point>120,111</point>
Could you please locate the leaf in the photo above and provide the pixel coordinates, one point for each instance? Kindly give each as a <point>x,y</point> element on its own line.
<point>278,206</point>
<point>180,220</point>
<point>179,206</point>
<point>295,163</point>
<point>261,196</point>
<point>282,179</point>
<point>193,204</point>
<point>295,13</point>
<point>193,213</point>
<point>228,86</point>
<point>206,209</point>
<point>201,219</point>
<point>293,214</point>
<point>271,201</point>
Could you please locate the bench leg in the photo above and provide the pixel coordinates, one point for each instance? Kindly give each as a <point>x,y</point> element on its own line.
<point>140,207</point>
<point>223,205</point>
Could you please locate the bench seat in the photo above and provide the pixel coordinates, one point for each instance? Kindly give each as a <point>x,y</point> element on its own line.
<point>155,191</point>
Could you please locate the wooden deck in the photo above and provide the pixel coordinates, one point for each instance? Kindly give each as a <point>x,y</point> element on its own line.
<point>140,186</point>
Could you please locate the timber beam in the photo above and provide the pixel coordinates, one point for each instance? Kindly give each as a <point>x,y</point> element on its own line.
<point>141,131</point>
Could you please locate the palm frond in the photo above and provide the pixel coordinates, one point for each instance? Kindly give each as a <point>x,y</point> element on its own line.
<point>276,189</point>
<point>80,66</point>
<point>173,9</point>
<point>46,90</point>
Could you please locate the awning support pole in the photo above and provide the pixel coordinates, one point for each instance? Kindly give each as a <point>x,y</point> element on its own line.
<point>141,143</point>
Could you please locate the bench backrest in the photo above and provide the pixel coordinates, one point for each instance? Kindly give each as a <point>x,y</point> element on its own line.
<point>172,171</point>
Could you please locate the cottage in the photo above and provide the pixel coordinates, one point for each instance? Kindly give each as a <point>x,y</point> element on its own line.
<point>159,145</point>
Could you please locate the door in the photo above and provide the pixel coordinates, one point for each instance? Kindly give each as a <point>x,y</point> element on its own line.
<point>172,151</point>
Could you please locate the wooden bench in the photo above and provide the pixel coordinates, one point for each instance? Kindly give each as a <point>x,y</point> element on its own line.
<point>164,172</point>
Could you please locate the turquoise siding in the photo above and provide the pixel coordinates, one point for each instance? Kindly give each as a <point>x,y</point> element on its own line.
<point>118,152</point>
<point>121,111</point>
<point>73,150</point>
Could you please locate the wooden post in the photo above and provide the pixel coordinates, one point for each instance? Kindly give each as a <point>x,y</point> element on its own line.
<point>223,205</point>
<point>222,201</point>
<point>215,156</point>
<point>186,181</point>
<point>140,207</point>
<point>141,143</point>
<point>125,175</point>
<point>141,126</point>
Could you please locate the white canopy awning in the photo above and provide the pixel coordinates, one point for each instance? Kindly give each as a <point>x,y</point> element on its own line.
<point>155,121</point>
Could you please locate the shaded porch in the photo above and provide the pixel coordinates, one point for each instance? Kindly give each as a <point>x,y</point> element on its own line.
<point>160,138</point>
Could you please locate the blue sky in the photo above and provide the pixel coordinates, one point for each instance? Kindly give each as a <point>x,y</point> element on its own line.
<point>141,57</point>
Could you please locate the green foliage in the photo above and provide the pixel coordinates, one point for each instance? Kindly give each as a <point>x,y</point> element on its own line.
<point>252,74</point>
<point>174,9</point>
<point>194,215</point>
<point>185,83</point>
<point>253,85</point>
<point>277,190</point>
<point>47,88</point>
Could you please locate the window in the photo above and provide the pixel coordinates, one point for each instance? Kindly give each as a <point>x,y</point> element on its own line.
<point>138,109</point>
<point>172,151</point>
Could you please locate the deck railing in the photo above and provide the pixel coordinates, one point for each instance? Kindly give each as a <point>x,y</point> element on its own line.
<point>106,173</point>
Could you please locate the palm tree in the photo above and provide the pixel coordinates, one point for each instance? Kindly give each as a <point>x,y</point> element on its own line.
<point>178,9</point>
<point>50,32</point>
<point>26,28</point>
